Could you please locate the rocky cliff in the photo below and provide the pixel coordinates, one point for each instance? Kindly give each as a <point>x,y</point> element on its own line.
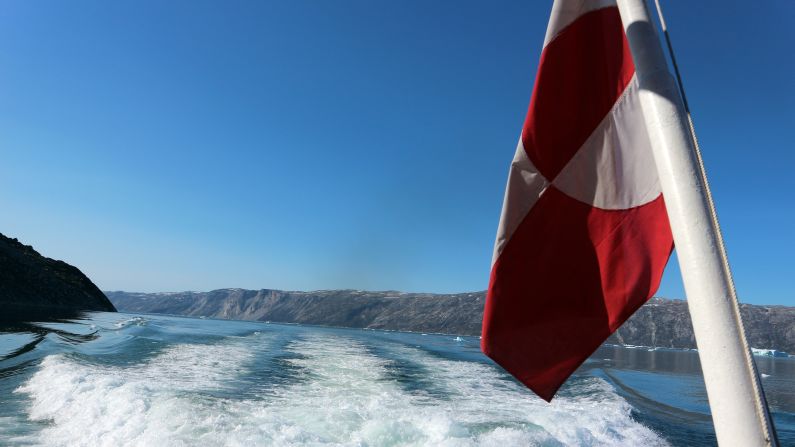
<point>661,322</point>
<point>35,287</point>
<point>666,323</point>
<point>454,314</point>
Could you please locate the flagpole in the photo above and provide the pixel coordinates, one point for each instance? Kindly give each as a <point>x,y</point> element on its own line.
<point>736,399</point>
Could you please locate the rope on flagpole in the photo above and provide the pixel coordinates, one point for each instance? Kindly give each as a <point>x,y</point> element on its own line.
<point>759,393</point>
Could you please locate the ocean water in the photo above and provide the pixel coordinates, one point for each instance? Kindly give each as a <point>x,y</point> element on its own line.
<point>112,379</point>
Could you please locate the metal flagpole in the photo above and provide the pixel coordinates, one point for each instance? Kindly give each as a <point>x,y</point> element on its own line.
<point>737,403</point>
<point>714,214</point>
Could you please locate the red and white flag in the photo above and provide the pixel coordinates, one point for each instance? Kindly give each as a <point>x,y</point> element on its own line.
<point>584,236</point>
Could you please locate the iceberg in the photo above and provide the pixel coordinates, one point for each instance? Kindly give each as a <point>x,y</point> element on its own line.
<point>768,353</point>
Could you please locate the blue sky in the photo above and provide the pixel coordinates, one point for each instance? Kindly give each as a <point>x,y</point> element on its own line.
<point>163,146</point>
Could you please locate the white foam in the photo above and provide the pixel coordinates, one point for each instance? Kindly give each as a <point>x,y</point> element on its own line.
<point>342,395</point>
<point>93,405</point>
<point>480,396</point>
<point>134,321</point>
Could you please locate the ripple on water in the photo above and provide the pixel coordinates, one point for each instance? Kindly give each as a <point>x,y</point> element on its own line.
<point>345,393</point>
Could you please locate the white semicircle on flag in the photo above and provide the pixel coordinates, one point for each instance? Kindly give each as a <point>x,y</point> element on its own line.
<point>614,169</point>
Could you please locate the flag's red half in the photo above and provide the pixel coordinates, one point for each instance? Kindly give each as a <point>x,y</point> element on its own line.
<point>584,236</point>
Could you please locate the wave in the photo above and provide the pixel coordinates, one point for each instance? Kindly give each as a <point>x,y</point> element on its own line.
<point>345,394</point>
<point>132,321</point>
<point>95,405</point>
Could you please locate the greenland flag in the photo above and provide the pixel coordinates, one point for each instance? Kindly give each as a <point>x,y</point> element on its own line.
<point>584,237</point>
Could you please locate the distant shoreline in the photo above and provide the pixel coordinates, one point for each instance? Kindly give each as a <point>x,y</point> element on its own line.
<point>756,351</point>
<point>660,323</point>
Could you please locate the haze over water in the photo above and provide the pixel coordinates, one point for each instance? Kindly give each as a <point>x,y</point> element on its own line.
<point>123,379</point>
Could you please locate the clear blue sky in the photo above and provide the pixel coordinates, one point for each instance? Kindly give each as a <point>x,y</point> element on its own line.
<point>164,146</point>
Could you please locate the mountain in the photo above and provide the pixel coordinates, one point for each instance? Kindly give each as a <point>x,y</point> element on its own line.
<point>661,322</point>
<point>420,312</point>
<point>666,323</point>
<point>35,287</point>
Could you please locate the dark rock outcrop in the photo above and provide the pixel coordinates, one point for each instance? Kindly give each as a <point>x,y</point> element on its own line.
<point>661,322</point>
<point>35,287</point>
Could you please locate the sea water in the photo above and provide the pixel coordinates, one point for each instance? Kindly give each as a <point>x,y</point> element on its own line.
<point>114,379</point>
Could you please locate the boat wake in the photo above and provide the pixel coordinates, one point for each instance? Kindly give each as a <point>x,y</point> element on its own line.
<point>342,391</point>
